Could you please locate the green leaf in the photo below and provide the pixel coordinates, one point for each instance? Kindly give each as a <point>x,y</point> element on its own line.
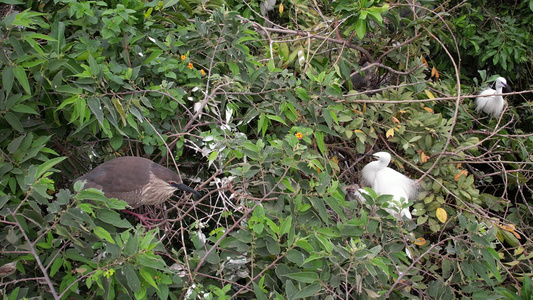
<point>116,141</point>
<point>96,108</point>
<point>307,277</point>
<point>152,261</point>
<point>233,68</point>
<point>169,3</point>
<point>131,276</point>
<point>112,217</point>
<point>93,66</point>
<point>319,136</point>
<point>308,291</point>
<point>378,261</point>
<point>360,28</point>
<point>15,293</point>
<point>7,79</point>
<point>285,225</point>
<point>58,262</point>
<point>22,108</point>
<point>326,244</point>
<point>47,165</point>
<point>14,122</point>
<point>20,74</point>
<point>12,1</point>
<point>276,118</point>
<point>149,275</point>
<point>302,94</point>
<point>103,234</point>
<point>155,54</point>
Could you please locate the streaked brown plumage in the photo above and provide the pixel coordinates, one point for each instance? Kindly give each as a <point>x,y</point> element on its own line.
<point>136,180</point>
<point>8,269</point>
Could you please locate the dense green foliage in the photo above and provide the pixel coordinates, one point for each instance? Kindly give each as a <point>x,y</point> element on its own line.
<point>267,121</point>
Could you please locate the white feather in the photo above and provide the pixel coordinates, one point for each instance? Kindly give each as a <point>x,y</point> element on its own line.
<point>488,102</point>
<point>386,181</point>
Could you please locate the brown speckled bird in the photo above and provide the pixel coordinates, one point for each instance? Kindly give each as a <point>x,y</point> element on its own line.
<point>136,180</point>
<point>8,269</point>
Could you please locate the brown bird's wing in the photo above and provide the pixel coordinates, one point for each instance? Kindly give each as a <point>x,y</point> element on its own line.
<point>120,175</point>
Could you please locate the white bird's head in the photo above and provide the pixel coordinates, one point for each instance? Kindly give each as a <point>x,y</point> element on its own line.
<point>384,158</point>
<point>501,83</point>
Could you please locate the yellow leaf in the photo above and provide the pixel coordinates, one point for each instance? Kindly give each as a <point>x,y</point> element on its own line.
<point>119,109</point>
<point>335,159</point>
<point>442,215</point>
<point>423,157</point>
<point>395,120</point>
<point>429,94</point>
<point>425,61</point>
<point>510,228</point>
<point>428,109</point>
<point>420,241</point>
<point>435,73</point>
<point>390,133</point>
<point>358,131</point>
<point>519,250</point>
<point>357,112</point>
<point>458,175</point>
<point>280,8</point>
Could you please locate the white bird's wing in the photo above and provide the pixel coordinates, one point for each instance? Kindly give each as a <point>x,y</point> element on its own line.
<point>483,99</point>
<point>401,187</point>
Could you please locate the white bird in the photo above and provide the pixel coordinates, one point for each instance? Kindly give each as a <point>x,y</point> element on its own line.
<point>266,6</point>
<point>386,181</point>
<point>488,102</point>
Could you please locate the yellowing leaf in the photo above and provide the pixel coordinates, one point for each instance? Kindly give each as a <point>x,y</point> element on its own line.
<point>357,112</point>
<point>280,8</point>
<point>420,241</point>
<point>428,109</point>
<point>429,94</point>
<point>335,159</point>
<point>435,73</point>
<point>519,250</point>
<point>510,228</point>
<point>442,215</point>
<point>425,62</point>
<point>395,120</point>
<point>458,175</point>
<point>390,133</point>
<point>358,131</point>
<point>423,157</point>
